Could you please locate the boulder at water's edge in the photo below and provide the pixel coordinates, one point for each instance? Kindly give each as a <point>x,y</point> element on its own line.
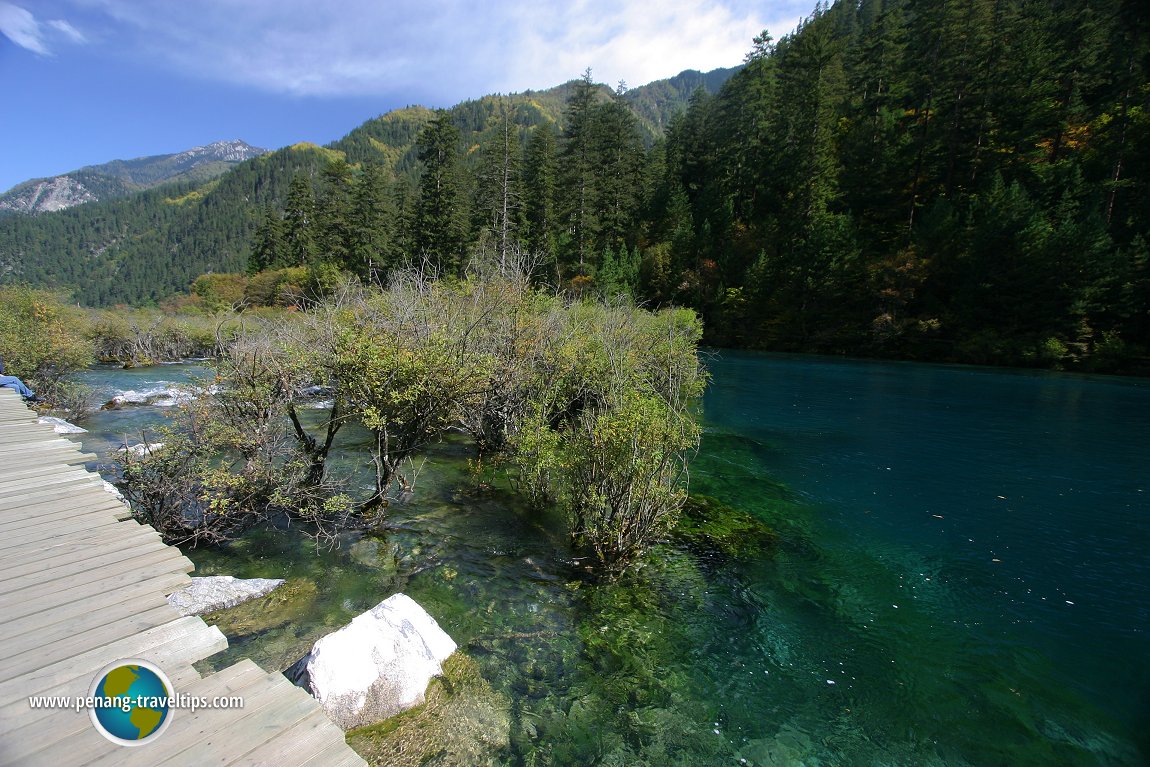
<point>379,664</point>
<point>216,592</point>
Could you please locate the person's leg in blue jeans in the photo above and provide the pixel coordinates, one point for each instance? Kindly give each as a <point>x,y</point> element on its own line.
<point>12,382</point>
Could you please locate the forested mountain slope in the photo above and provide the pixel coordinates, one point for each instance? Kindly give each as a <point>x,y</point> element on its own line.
<point>151,245</point>
<point>965,181</point>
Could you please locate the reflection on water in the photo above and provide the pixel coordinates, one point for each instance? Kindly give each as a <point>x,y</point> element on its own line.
<point>961,579</point>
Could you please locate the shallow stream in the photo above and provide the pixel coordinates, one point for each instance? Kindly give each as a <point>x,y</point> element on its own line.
<point>962,577</point>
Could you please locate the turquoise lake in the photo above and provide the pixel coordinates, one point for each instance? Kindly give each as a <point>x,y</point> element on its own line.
<point>962,577</point>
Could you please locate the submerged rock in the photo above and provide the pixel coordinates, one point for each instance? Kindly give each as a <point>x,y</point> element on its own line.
<point>379,664</point>
<point>375,553</point>
<point>217,592</point>
<point>60,426</point>
<point>711,524</point>
<point>290,603</point>
<point>464,722</point>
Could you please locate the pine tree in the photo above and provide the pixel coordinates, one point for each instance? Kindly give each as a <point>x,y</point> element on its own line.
<point>540,181</point>
<point>618,160</point>
<point>440,214</point>
<point>499,195</point>
<point>299,223</point>
<point>334,214</point>
<point>578,177</point>
<point>268,249</point>
<point>371,233</point>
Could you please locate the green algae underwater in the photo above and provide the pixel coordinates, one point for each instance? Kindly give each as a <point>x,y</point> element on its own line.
<point>813,608</point>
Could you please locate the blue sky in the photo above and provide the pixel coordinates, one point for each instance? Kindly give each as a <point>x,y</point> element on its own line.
<point>87,81</point>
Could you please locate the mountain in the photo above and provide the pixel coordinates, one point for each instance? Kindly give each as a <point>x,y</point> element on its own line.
<point>390,139</point>
<point>123,177</point>
<point>139,245</point>
<point>656,103</point>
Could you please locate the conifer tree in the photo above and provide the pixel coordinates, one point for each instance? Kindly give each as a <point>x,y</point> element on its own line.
<point>540,176</point>
<point>334,213</point>
<point>440,214</point>
<point>578,177</point>
<point>499,198</point>
<point>371,226</point>
<point>268,248</point>
<point>299,223</point>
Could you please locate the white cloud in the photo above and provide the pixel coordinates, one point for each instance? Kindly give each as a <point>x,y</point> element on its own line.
<point>445,49</point>
<point>67,30</point>
<point>21,27</point>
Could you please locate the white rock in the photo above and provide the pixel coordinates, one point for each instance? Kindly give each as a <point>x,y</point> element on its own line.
<point>110,488</point>
<point>141,449</point>
<point>216,592</point>
<point>379,664</point>
<point>60,426</point>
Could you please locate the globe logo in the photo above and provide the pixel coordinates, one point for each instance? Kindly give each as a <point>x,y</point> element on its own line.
<point>131,700</point>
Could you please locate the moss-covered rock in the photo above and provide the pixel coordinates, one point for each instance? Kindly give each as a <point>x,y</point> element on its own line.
<point>377,553</point>
<point>462,723</point>
<point>289,602</point>
<point>709,523</point>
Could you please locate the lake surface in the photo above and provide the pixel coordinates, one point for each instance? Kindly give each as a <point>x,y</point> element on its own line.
<point>962,578</point>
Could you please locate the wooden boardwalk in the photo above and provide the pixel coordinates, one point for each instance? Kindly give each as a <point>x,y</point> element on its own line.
<point>83,585</point>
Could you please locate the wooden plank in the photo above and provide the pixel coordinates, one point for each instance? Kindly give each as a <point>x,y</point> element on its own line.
<point>105,560</point>
<point>92,496</point>
<point>94,523</point>
<point>33,652</point>
<point>64,737</point>
<point>74,546</point>
<point>45,545</point>
<point>144,565</point>
<point>53,517</point>
<point>56,508</point>
<point>21,420</point>
<point>350,759</point>
<point>165,576</point>
<point>102,559</point>
<point>81,613</point>
<point>45,445</point>
<point>16,487</point>
<point>32,470</point>
<point>78,588</point>
<point>10,430</point>
<point>51,442</point>
<point>180,642</point>
<point>123,513</point>
<point>223,736</point>
<point>68,457</point>
<point>312,741</point>
<point>41,464</point>
<point>202,734</point>
<point>30,560</point>
<point>52,450</point>
<point>20,499</point>
<point>17,602</point>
